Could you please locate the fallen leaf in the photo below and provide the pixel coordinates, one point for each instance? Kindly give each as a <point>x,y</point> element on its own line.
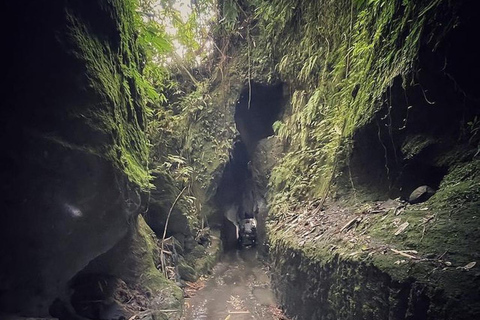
<point>396,222</point>
<point>470,265</point>
<point>402,228</point>
<point>428,218</point>
<point>350,223</point>
<point>402,253</point>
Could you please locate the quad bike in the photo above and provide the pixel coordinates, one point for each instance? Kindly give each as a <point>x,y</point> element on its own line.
<point>247,235</point>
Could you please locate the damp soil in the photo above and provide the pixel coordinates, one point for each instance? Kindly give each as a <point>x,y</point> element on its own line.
<point>238,288</point>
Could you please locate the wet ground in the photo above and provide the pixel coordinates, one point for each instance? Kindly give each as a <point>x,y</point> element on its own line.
<point>238,289</point>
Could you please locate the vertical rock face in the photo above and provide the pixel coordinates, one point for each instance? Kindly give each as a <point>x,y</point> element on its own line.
<point>73,156</point>
<point>342,290</point>
<point>381,103</point>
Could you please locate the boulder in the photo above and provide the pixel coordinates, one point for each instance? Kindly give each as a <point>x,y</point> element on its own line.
<point>421,194</point>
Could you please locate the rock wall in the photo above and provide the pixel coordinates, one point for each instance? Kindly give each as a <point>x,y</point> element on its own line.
<point>74,159</point>
<point>380,102</point>
<point>339,288</point>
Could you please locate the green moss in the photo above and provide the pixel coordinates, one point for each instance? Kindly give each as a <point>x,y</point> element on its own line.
<point>413,145</point>
<point>361,286</point>
<point>459,187</point>
<point>445,225</point>
<point>192,142</point>
<point>380,42</point>
<point>444,228</point>
<point>149,276</point>
<point>186,272</point>
<point>113,75</point>
<point>202,259</point>
<point>339,59</point>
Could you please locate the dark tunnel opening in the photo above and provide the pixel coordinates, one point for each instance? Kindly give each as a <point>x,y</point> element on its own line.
<point>237,197</point>
<point>256,111</point>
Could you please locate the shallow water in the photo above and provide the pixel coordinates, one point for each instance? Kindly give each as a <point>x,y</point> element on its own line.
<point>238,289</point>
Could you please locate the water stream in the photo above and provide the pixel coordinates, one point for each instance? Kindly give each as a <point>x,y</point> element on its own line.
<point>238,289</point>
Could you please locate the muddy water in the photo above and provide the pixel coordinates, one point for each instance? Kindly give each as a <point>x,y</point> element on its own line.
<point>238,289</point>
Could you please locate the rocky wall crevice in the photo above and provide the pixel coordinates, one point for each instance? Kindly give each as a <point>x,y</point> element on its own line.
<point>242,188</point>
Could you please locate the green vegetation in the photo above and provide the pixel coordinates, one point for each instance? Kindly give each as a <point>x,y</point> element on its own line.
<point>120,112</point>
<point>339,58</point>
<point>191,144</point>
<point>440,243</point>
<point>347,57</point>
<point>143,246</point>
<point>153,92</point>
<point>169,123</point>
<point>158,116</point>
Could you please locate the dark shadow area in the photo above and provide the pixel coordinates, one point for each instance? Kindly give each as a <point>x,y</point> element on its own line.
<point>254,119</point>
<point>236,197</point>
<point>64,202</point>
<point>230,191</point>
<point>234,177</point>
<point>425,126</point>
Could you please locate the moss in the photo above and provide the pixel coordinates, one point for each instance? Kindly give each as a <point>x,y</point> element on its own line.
<point>113,75</point>
<point>325,285</point>
<point>460,187</point>
<point>193,146</point>
<point>443,232</point>
<point>340,59</point>
<point>202,259</point>
<point>186,272</point>
<point>413,145</point>
<point>446,225</point>
<point>198,259</point>
<point>149,276</point>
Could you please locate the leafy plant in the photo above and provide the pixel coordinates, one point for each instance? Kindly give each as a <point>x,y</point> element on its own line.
<point>339,58</point>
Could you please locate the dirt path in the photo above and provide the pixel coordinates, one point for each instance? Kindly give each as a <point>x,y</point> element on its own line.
<point>238,289</point>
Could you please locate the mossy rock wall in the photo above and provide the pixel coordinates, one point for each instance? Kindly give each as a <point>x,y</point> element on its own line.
<point>74,150</point>
<point>198,141</point>
<point>340,288</point>
<point>392,68</point>
<point>134,260</point>
<point>383,259</point>
<point>381,102</point>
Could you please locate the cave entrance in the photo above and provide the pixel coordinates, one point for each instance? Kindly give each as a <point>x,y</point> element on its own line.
<point>256,110</point>
<point>238,197</point>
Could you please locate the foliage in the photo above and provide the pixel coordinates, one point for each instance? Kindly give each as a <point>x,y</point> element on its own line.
<point>340,58</point>
<point>187,131</point>
<point>191,142</point>
<point>187,27</point>
<point>113,70</point>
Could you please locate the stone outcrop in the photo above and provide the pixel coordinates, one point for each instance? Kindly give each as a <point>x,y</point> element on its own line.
<point>74,159</point>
